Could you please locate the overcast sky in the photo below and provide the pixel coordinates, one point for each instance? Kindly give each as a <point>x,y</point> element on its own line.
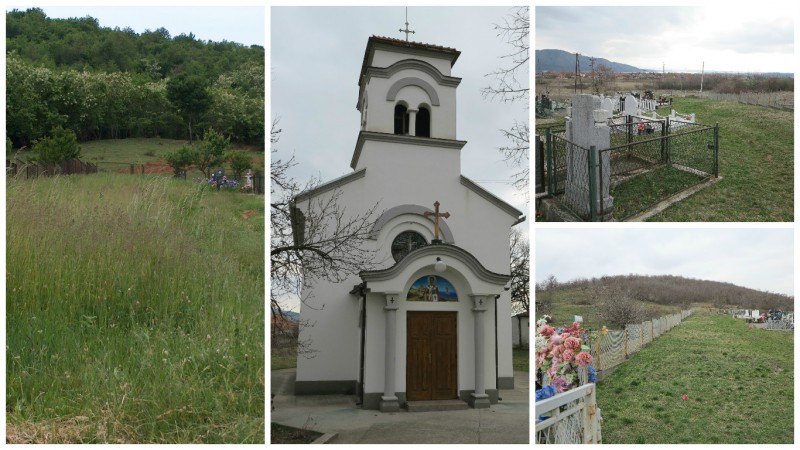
<point>316,57</point>
<point>743,37</point>
<point>758,258</point>
<point>242,24</point>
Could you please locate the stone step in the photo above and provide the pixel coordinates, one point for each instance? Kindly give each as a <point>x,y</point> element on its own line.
<point>436,405</point>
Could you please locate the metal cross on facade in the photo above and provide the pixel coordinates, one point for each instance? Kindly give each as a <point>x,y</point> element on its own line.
<point>406,31</point>
<point>436,216</point>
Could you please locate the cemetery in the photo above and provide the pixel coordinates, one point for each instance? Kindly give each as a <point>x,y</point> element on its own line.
<point>617,159</point>
<point>570,361</point>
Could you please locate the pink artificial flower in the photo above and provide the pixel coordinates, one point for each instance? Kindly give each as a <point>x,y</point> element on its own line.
<point>560,384</point>
<point>567,355</point>
<point>564,336</point>
<point>547,330</point>
<point>555,339</point>
<point>573,343</point>
<point>584,359</point>
<point>685,397</point>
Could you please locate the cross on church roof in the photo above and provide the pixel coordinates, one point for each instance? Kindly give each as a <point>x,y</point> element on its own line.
<point>436,216</point>
<point>407,30</point>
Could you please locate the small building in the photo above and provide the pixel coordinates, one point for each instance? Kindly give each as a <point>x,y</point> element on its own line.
<point>520,330</point>
<point>432,320</point>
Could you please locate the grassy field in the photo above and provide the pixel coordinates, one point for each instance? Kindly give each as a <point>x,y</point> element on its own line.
<point>567,303</point>
<point>135,312</point>
<point>112,155</point>
<point>756,163</point>
<point>739,384</point>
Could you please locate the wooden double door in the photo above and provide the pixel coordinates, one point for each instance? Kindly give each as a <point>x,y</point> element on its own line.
<point>432,355</point>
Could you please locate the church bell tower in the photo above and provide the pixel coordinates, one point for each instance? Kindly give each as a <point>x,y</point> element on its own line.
<point>407,95</point>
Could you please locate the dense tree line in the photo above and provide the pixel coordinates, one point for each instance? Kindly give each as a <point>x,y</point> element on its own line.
<point>106,84</point>
<point>669,290</point>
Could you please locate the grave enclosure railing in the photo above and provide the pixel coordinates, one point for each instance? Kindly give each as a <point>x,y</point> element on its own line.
<point>572,417</point>
<point>647,161</point>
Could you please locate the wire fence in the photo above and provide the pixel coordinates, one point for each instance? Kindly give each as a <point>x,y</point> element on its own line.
<point>615,347</point>
<point>778,100</point>
<point>647,161</point>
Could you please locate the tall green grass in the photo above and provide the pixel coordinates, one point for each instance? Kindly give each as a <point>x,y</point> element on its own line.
<point>135,312</point>
<point>739,385</point>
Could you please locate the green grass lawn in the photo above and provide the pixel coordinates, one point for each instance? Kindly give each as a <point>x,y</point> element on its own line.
<point>135,311</point>
<point>643,191</point>
<point>756,162</point>
<point>522,362</point>
<point>739,384</point>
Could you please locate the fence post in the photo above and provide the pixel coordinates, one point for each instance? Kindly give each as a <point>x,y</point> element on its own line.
<point>716,150</point>
<point>593,191</point>
<point>666,143</point>
<point>626,342</point>
<point>599,338</point>
<point>641,336</point>
<point>551,184</point>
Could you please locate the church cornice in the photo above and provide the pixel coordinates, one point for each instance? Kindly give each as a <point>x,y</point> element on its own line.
<point>365,136</point>
<point>330,185</point>
<point>432,250</point>
<point>496,201</point>
<point>406,47</point>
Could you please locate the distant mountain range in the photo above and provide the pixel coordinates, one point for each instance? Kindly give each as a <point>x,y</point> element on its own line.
<point>561,61</point>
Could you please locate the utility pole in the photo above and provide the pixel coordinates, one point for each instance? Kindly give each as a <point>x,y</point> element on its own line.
<point>702,74</point>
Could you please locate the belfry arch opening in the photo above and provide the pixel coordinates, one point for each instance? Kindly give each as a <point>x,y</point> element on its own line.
<point>400,119</point>
<point>423,122</point>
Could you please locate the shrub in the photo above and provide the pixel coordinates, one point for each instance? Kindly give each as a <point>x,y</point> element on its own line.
<point>211,151</point>
<point>62,144</point>
<point>181,159</point>
<point>239,161</point>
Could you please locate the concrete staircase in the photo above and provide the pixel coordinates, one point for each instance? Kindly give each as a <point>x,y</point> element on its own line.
<point>436,405</point>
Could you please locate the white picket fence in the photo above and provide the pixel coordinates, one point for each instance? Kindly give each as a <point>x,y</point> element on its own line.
<point>571,417</point>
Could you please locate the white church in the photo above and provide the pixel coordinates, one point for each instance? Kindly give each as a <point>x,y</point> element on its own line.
<point>432,319</point>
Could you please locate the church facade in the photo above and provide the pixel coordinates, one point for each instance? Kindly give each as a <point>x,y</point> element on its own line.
<point>431,318</point>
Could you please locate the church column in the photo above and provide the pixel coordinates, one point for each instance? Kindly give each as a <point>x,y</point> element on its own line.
<point>412,122</point>
<point>479,399</point>
<point>389,401</point>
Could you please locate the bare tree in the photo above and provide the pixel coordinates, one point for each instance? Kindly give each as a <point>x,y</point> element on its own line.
<point>511,84</point>
<point>617,308</point>
<point>520,272</point>
<point>319,240</point>
<point>604,78</point>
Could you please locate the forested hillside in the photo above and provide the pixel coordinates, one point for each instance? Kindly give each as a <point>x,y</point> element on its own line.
<point>105,83</point>
<point>666,290</point>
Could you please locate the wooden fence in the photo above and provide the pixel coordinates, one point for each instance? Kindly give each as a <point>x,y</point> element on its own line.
<point>24,169</point>
<point>569,418</point>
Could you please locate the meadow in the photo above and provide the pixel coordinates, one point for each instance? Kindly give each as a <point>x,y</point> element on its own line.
<point>738,383</point>
<point>756,163</point>
<point>135,311</point>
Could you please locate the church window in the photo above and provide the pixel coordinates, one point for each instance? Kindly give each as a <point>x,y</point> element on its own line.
<point>432,288</point>
<point>405,243</point>
<point>400,119</point>
<point>423,123</point>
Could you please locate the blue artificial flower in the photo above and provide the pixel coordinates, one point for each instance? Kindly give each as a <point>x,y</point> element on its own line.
<point>545,392</point>
<point>592,374</point>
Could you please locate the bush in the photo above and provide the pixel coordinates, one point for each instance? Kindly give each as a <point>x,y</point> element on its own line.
<point>239,161</point>
<point>62,144</point>
<point>212,151</point>
<point>181,159</point>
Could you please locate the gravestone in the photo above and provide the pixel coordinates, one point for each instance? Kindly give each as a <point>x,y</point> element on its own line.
<point>631,106</point>
<point>587,127</point>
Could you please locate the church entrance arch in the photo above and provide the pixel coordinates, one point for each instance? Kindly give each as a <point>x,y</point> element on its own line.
<point>432,355</point>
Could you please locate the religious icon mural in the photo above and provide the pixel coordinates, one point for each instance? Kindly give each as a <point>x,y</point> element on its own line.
<point>432,288</point>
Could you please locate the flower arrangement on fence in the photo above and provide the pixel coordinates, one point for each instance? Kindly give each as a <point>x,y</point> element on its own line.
<point>561,355</point>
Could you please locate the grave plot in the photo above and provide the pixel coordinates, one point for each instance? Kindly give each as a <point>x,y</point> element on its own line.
<point>602,168</point>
